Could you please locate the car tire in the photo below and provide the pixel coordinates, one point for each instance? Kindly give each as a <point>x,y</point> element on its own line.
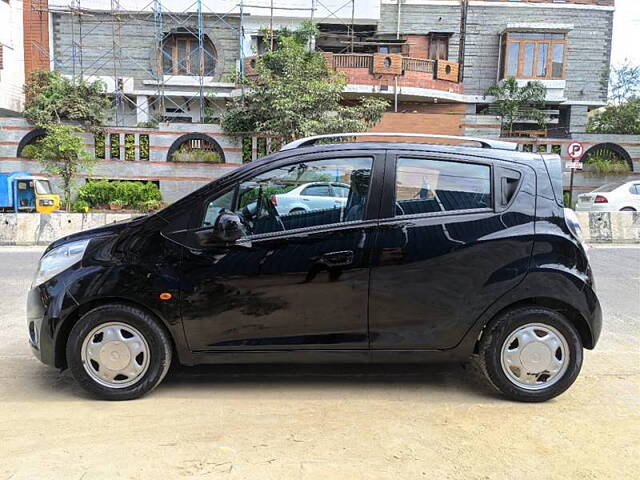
<point>295,211</point>
<point>531,354</point>
<point>118,352</point>
<point>628,209</point>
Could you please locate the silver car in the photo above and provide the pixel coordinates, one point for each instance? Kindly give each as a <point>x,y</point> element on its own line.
<point>612,197</point>
<point>311,196</point>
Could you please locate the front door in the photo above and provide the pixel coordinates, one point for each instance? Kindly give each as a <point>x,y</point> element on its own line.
<point>299,280</point>
<point>457,235</point>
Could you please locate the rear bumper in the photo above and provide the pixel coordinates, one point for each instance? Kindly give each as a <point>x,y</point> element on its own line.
<point>594,207</point>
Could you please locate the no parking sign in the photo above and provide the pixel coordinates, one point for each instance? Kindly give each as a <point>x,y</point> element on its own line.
<point>575,150</point>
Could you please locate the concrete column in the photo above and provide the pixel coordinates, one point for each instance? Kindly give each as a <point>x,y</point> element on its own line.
<point>578,119</point>
<point>142,108</point>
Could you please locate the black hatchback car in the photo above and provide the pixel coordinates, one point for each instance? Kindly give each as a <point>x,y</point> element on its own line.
<point>439,253</point>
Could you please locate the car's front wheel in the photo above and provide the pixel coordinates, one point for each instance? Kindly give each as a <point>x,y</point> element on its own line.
<point>531,354</point>
<point>118,352</point>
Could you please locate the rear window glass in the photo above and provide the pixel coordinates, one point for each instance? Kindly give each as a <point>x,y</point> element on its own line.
<point>430,186</point>
<point>609,187</point>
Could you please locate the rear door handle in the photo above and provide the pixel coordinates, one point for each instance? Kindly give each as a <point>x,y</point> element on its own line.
<point>337,259</point>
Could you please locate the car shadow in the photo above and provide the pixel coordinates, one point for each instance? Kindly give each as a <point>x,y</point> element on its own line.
<point>438,379</point>
<point>438,382</point>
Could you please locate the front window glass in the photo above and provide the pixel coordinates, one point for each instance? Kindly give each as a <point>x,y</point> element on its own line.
<point>279,200</point>
<point>431,186</point>
<point>43,187</point>
<point>225,201</point>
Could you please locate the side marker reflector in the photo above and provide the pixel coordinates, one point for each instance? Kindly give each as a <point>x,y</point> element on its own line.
<point>165,296</point>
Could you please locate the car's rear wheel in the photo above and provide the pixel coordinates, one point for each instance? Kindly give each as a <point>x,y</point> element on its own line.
<point>531,354</point>
<point>628,209</point>
<point>118,352</point>
<point>297,210</point>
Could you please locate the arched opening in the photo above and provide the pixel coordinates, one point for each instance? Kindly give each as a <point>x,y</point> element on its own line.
<point>195,147</point>
<point>608,159</point>
<point>183,55</point>
<point>29,139</point>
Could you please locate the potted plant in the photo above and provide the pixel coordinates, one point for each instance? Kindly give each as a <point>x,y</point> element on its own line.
<point>116,205</point>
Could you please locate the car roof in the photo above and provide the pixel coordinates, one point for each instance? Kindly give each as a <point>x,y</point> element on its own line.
<point>462,150</point>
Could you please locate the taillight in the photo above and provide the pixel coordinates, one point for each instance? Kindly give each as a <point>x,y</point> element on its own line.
<point>600,199</point>
<point>274,200</point>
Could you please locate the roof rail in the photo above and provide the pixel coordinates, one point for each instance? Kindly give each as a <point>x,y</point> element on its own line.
<point>484,143</point>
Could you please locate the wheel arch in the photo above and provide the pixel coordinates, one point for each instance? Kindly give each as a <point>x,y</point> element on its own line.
<point>65,328</point>
<point>571,313</point>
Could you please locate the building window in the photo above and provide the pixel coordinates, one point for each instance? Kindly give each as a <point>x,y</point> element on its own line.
<point>533,55</point>
<point>182,55</point>
<point>439,47</point>
<point>390,49</point>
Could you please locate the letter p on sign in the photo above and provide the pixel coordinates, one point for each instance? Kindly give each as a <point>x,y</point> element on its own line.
<point>576,150</point>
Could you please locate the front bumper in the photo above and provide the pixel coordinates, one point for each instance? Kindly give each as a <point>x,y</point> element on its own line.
<point>47,305</point>
<point>36,312</point>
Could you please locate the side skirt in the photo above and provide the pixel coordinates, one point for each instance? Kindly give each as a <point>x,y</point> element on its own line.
<point>329,356</point>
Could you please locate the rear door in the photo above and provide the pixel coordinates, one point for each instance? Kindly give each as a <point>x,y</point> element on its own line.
<point>455,234</point>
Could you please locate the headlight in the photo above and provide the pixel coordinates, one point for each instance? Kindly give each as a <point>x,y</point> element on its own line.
<point>571,219</point>
<point>59,259</point>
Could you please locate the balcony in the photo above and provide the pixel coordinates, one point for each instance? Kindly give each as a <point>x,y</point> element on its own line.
<point>417,77</point>
<point>379,69</point>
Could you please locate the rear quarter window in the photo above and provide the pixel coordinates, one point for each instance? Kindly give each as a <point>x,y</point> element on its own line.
<point>432,186</point>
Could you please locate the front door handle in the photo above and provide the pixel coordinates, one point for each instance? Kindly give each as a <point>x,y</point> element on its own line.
<point>337,259</point>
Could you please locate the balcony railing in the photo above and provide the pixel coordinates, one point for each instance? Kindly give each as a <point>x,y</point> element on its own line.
<point>378,63</point>
<point>418,65</point>
<point>352,60</point>
<point>441,73</point>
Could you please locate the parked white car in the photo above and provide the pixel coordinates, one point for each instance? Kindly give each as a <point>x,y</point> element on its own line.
<point>612,197</point>
<point>312,196</point>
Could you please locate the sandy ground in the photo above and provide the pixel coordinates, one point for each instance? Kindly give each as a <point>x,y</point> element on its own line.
<point>325,422</point>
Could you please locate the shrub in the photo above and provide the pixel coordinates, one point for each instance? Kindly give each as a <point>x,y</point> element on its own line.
<point>144,146</point>
<point>129,147</point>
<point>136,195</point>
<point>605,165</point>
<point>80,206</point>
<point>199,156</point>
<point>29,151</point>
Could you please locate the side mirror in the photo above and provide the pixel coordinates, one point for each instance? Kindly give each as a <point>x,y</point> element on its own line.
<point>227,230</point>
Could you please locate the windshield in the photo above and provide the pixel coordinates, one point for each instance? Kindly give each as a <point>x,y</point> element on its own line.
<point>609,187</point>
<point>43,187</point>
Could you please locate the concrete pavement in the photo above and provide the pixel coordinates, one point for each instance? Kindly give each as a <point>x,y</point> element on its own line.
<point>325,422</point>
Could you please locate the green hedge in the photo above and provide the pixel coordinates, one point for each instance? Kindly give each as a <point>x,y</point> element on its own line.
<point>136,195</point>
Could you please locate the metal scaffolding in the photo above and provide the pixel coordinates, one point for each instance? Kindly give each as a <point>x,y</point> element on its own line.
<point>80,58</point>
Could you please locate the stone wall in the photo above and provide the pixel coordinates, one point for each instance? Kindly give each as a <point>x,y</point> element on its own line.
<point>42,229</point>
<point>175,179</point>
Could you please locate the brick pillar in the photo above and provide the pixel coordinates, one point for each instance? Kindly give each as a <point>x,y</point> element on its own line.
<point>35,17</point>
